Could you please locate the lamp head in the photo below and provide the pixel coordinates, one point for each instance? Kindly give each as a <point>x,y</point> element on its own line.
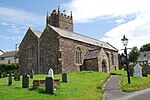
<point>124,41</point>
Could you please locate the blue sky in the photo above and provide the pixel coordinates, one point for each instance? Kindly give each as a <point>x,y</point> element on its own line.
<point>105,20</point>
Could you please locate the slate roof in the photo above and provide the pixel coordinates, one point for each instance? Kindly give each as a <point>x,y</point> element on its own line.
<point>8,54</point>
<point>37,33</point>
<point>92,54</point>
<point>144,56</point>
<point>82,38</point>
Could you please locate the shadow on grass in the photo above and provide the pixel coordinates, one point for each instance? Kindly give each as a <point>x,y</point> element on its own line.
<point>39,90</point>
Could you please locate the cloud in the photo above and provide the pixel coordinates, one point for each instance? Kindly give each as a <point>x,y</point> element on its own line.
<point>4,23</point>
<point>132,17</point>
<point>85,10</point>
<point>20,16</point>
<point>9,38</point>
<point>15,21</point>
<point>137,31</point>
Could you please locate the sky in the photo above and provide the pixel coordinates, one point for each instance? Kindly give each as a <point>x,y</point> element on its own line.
<point>105,20</point>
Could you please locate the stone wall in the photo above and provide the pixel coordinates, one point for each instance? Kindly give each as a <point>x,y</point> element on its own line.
<point>49,47</point>
<point>115,65</point>
<point>58,53</point>
<point>91,64</point>
<point>68,48</point>
<point>27,64</point>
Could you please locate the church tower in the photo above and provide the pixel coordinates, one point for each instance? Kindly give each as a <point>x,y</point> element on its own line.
<point>60,20</point>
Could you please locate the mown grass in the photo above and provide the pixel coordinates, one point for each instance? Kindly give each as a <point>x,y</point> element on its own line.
<point>80,86</point>
<point>136,83</point>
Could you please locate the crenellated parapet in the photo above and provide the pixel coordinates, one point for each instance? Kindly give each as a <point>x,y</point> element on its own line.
<point>60,20</point>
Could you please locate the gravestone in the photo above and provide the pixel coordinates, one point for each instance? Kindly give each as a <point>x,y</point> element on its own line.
<point>137,71</point>
<point>50,73</point>
<point>25,81</point>
<point>16,75</point>
<point>9,80</point>
<point>31,74</point>
<point>49,83</point>
<point>64,77</point>
<point>4,74</point>
<point>0,74</point>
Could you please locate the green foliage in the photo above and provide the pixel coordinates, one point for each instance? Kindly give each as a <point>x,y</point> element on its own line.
<point>134,54</point>
<point>136,83</point>
<point>80,86</point>
<point>8,67</point>
<point>145,47</point>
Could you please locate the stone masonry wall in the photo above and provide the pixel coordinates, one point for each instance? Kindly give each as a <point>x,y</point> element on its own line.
<point>29,40</point>
<point>91,64</point>
<point>115,54</point>
<point>68,48</point>
<point>49,46</point>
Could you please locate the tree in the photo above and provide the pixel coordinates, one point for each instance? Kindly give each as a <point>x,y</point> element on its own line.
<point>134,54</point>
<point>145,47</point>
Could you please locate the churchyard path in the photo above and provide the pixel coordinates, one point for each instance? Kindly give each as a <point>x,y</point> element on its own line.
<point>112,91</point>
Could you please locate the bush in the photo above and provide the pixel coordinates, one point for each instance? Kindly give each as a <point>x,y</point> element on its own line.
<point>8,67</point>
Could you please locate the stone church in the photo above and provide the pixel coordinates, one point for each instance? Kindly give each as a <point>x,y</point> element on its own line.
<point>60,48</point>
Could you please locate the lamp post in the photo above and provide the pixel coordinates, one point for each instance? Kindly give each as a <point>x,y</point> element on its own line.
<point>125,42</point>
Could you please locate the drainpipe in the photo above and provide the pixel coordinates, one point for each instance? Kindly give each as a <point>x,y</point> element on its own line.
<point>38,55</point>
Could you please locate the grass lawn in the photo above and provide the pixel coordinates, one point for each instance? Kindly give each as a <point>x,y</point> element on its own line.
<point>80,86</point>
<point>136,83</point>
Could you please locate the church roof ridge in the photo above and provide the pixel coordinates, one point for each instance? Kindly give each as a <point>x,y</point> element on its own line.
<point>36,32</point>
<point>82,38</point>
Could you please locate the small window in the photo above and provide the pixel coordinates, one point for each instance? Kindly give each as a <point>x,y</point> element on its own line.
<point>2,58</point>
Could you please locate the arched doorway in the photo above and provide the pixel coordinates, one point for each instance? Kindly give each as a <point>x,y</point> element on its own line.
<point>104,66</point>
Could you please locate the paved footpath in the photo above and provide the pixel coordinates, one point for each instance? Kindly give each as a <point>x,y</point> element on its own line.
<point>112,92</point>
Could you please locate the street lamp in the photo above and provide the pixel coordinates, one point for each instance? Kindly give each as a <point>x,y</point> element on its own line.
<point>125,42</point>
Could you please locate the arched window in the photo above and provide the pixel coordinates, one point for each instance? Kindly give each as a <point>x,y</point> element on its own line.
<point>112,58</point>
<point>30,51</point>
<point>78,56</point>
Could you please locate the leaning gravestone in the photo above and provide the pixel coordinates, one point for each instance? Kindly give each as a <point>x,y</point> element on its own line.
<point>9,80</point>
<point>25,81</point>
<point>64,77</point>
<point>137,71</point>
<point>16,75</point>
<point>0,74</point>
<point>31,74</point>
<point>4,74</point>
<point>49,83</point>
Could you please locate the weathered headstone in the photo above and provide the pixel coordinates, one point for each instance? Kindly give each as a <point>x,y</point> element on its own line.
<point>9,80</point>
<point>49,83</point>
<point>64,77</point>
<point>50,73</point>
<point>137,71</point>
<point>144,73</point>
<point>0,74</point>
<point>31,74</point>
<point>25,81</point>
<point>16,75</point>
<point>4,74</point>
